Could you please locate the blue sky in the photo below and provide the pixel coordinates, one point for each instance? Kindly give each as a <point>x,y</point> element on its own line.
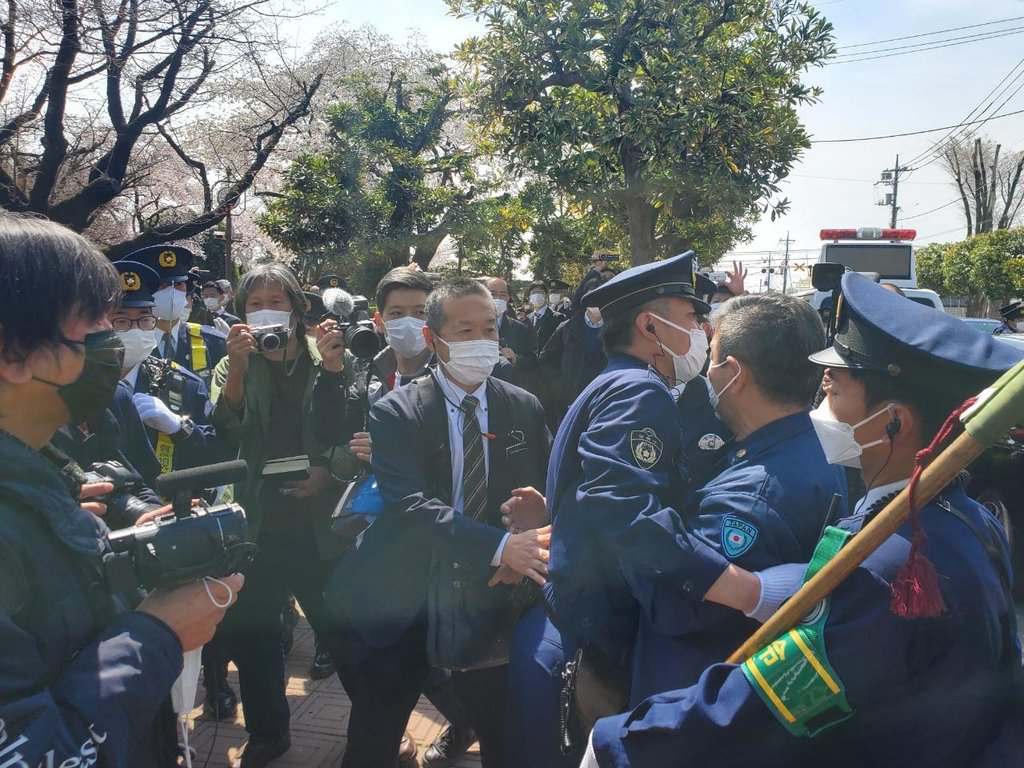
<point>832,186</point>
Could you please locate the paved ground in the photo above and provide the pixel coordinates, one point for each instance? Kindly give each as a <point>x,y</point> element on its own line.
<point>319,717</point>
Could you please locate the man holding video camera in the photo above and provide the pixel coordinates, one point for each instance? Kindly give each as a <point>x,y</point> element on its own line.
<point>262,393</point>
<point>82,677</point>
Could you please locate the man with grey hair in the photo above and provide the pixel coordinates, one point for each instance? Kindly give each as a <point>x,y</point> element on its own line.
<point>773,489</point>
<point>448,449</point>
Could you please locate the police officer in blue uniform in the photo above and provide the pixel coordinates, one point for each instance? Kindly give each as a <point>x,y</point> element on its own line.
<point>1011,315</point>
<point>82,676</point>
<point>613,479</point>
<point>172,401</point>
<point>880,688</point>
<point>197,348</point>
<point>771,491</point>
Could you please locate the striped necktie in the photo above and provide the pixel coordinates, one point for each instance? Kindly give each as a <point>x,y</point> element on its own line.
<point>474,476</point>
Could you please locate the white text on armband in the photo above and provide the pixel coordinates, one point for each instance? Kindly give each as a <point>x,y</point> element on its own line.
<point>87,754</point>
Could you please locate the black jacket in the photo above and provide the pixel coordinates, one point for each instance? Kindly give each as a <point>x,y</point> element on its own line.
<point>384,579</point>
<point>564,366</point>
<point>82,679</point>
<point>545,326</point>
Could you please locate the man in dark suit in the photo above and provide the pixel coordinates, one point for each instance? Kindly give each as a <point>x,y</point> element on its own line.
<point>516,342</point>
<point>544,319</point>
<point>448,450</point>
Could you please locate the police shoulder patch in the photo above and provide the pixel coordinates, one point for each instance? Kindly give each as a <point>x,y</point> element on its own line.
<point>738,536</point>
<point>646,446</point>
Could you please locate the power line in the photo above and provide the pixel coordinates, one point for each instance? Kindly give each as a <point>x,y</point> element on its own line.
<point>935,151</point>
<point>915,133</point>
<point>933,210</point>
<point>954,42</point>
<point>936,234</point>
<point>930,34</point>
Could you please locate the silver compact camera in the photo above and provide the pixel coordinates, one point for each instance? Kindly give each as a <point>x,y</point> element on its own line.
<point>270,338</point>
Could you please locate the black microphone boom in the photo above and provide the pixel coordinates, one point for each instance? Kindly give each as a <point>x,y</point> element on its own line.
<point>179,486</point>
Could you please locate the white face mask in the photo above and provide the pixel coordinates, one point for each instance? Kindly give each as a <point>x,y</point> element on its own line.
<point>261,318</point>
<point>537,300</point>
<point>169,304</point>
<point>212,304</point>
<point>688,366</point>
<point>138,345</point>
<point>185,311</point>
<point>716,397</point>
<point>554,298</point>
<point>837,437</point>
<point>470,362</point>
<point>501,305</point>
<point>405,335</point>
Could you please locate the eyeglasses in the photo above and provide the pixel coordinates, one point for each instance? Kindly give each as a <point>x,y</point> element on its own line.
<point>147,323</point>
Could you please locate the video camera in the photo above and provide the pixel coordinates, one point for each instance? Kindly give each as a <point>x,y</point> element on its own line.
<point>352,314</point>
<point>186,544</point>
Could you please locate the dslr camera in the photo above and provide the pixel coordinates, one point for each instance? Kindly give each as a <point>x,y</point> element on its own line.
<point>352,315</point>
<point>185,544</point>
<point>270,338</point>
<point>123,503</point>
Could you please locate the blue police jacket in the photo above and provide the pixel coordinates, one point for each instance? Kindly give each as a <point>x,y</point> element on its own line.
<point>766,506</point>
<point>613,479</point>
<point>81,680</point>
<point>216,348</point>
<point>924,692</point>
<point>202,447</point>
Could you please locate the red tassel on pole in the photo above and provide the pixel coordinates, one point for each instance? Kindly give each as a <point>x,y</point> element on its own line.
<point>915,590</point>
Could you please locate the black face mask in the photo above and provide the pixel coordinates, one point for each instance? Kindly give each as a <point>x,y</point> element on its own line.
<point>93,391</point>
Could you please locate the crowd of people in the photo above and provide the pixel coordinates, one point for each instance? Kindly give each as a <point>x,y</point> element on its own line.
<point>555,524</point>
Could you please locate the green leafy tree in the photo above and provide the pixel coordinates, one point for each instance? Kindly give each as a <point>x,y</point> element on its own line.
<point>389,185</point>
<point>930,261</point>
<point>677,118</point>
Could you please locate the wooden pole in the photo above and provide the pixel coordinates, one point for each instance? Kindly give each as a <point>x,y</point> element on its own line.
<point>936,476</point>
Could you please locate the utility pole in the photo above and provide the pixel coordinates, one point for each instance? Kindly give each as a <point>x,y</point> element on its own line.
<point>768,274</point>
<point>891,178</point>
<point>785,262</point>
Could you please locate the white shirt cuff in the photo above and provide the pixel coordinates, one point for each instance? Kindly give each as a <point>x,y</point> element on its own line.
<point>496,560</point>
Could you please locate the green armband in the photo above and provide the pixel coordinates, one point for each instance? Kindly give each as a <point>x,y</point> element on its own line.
<point>792,675</point>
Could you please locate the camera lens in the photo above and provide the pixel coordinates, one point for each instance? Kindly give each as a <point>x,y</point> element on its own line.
<point>271,342</point>
<point>362,341</point>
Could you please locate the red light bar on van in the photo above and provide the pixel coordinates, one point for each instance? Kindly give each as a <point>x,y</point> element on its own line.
<point>868,233</point>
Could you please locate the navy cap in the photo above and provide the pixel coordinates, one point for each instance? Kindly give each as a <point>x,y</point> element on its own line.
<point>171,262</point>
<point>331,281</point>
<point>638,285</point>
<point>879,330</point>
<point>704,286</point>
<point>1012,311</point>
<point>557,285</point>
<point>138,284</point>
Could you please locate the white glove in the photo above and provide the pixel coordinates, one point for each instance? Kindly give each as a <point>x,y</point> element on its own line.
<point>778,584</point>
<point>156,415</point>
<point>221,324</point>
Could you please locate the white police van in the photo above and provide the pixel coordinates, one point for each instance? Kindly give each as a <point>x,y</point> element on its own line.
<point>887,253</point>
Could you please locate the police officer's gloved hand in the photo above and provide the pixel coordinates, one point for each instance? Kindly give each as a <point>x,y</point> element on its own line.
<point>156,414</point>
<point>778,584</point>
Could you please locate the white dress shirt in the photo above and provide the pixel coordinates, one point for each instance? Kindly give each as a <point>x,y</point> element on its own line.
<point>454,396</point>
<point>133,375</point>
<point>539,313</point>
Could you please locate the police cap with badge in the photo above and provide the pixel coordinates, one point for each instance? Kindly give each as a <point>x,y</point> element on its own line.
<point>658,280</point>
<point>879,330</point>
<point>331,280</point>
<point>172,263</point>
<point>1012,311</point>
<point>138,284</point>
